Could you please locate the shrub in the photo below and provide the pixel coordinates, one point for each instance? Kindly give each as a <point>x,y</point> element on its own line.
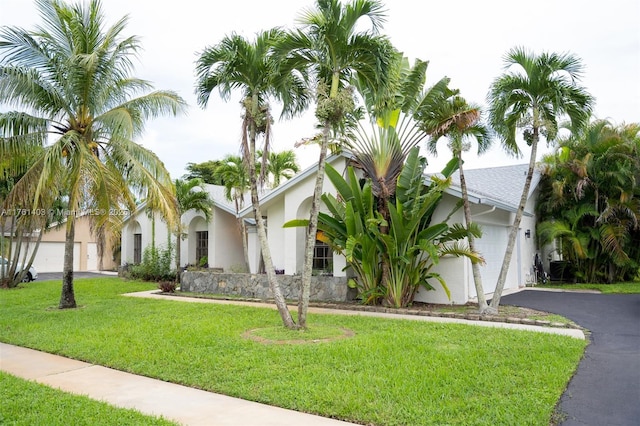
<point>155,265</point>
<point>167,286</point>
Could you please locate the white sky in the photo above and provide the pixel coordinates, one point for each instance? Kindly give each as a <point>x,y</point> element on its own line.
<point>464,40</point>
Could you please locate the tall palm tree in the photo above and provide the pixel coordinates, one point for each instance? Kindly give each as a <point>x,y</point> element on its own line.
<point>236,183</point>
<point>532,94</point>
<point>332,44</point>
<point>190,195</point>
<point>236,63</point>
<point>459,122</point>
<point>72,77</point>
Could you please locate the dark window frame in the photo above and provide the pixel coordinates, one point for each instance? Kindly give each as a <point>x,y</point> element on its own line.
<point>202,245</point>
<point>137,248</point>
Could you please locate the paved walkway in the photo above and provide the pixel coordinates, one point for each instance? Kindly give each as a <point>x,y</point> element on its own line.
<point>182,404</point>
<point>606,387</point>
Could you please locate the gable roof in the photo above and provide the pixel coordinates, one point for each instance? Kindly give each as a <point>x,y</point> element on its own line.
<point>216,192</point>
<point>268,196</point>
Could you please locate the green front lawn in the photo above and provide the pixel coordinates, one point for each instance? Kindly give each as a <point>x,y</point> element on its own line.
<point>391,372</point>
<point>26,403</point>
<point>617,288</point>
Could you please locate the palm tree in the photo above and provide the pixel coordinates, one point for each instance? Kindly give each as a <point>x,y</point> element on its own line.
<point>236,183</point>
<point>190,195</point>
<point>205,171</point>
<point>282,165</point>
<point>72,77</point>
<point>590,201</point>
<point>332,46</point>
<point>236,63</point>
<point>459,122</point>
<point>532,94</point>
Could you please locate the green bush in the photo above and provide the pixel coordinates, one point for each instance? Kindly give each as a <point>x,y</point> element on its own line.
<point>155,266</point>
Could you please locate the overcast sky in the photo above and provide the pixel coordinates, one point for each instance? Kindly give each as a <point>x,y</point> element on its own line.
<point>464,40</point>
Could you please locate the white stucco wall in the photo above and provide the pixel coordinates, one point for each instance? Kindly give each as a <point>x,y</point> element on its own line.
<point>452,269</point>
<point>225,243</point>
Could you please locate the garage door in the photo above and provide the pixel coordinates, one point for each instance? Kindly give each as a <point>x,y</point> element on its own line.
<point>492,246</point>
<point>50,257</point>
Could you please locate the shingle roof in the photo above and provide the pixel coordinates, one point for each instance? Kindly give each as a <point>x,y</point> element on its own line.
<point>216,192</point>
<point>497,185</point>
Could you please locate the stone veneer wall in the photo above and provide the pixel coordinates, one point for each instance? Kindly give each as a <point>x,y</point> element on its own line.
<point>325,289</point>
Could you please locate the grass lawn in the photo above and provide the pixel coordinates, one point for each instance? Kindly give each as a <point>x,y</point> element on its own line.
<point>617,288</point>
<point>391,372</point>
<point>28,403</point>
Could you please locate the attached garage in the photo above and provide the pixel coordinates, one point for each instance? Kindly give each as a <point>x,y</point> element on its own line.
<point>50,257</point>
<point>492,246</point>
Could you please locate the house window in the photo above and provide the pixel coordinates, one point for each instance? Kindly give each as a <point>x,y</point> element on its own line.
<point>322,258</point>
<point>202,245</point>
<point>137,248</point>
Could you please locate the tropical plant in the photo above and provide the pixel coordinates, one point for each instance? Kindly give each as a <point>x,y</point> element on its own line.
<point>72,77</point>
<point>395,130</point>
<point>236,63</point>
<point>205,171</point>
<point>412,244</point>
<point>532,94</point>
<point>590,202</point>
<point>155,264</point>
<point>190,195</point>
<point>236,183</point>
<point>281,165</point>
<point>13,222</point>
<point>460,123</point>
<point>334,46</point>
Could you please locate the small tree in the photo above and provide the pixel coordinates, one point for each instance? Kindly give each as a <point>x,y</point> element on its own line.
<point>460,123</point>
<point>190,195</point>
<point>233,173</point>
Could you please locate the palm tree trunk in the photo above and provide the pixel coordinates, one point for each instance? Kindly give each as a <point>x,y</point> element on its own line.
<point>495,300</point>
<point>178,260</point>
<point>280,302</point>
<point>310,243</point>
<point>245,247</point>
<point>475,267</point>
<point>67,298</point>
<point>243,234</point>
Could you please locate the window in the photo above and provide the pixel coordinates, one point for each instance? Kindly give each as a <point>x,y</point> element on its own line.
<point>323,258</point>
<point>137,248</point>
<point>202,245</point>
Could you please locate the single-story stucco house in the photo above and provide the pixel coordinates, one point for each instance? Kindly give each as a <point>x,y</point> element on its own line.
<point>494,194</point>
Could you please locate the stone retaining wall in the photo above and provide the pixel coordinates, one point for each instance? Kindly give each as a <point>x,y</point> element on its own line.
<point>325,289</point>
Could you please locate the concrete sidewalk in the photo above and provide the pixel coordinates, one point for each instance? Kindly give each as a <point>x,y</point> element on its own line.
<point>187,406</point>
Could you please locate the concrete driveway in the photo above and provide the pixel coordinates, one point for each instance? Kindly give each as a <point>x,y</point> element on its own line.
<point>44,276</point>
<point>606,387</point>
